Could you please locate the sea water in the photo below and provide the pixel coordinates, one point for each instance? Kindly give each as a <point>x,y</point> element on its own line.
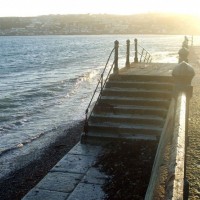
<point>46,83</point>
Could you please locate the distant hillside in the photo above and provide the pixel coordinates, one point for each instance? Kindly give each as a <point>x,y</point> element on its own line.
<point>101,24</point>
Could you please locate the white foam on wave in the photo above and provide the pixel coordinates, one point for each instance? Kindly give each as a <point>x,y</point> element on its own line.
<point>23,154</point>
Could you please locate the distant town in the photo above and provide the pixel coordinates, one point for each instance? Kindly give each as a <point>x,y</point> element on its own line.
<point>100,24</point>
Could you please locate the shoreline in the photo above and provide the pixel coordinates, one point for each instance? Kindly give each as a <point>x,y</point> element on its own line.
<point>17,158</point>
<point>96,34</point>
<point>17,183</point>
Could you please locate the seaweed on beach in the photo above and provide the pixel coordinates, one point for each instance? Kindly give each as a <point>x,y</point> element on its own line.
<point>128,164</point>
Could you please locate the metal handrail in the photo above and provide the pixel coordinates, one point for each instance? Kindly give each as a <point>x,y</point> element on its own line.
<point>191,40</point>
<point>102,84</point>
<point>145,56</point>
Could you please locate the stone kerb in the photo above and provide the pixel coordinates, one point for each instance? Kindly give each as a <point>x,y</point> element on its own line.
<point>177,186</point>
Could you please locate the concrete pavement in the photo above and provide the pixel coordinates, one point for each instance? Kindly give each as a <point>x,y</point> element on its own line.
<point>74,177</point>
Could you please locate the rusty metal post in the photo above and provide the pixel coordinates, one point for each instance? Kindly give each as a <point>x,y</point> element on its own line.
<point>116,69</point>
<point>136,52</point>
<point>127,53</point>
<point>183,55</point>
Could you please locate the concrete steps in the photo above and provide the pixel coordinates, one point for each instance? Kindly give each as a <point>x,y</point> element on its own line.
<point>132,92</point>
<point>116,128</point>
<point>131,107</point>
<point>134,101</point>
<point>141,78</point>
<point>127,118</point>
<point>145,85</point>
<point>123,109</point>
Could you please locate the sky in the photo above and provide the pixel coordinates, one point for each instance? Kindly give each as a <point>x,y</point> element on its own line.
<point>124,7</point>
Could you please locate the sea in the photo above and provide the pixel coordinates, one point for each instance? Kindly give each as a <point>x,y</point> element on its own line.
<point>46,83</point>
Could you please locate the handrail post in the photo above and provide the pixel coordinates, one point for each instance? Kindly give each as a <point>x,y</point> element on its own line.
<point>116,69</point>
<point>185,42</point>
<point>136,51</point>
<point>127,53</point>
<point>148,58</point>
<point>183,54</point>
<point>101,83</point>
<point>141,55</point>
<point>145,56</point>
<point>192,41</point>
<point>183,74</point>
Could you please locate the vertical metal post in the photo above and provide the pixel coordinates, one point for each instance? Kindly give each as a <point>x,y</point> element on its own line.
<point>141,55</point>
<point>192,41</point>
<point>116,69</point>
<point>127,53</point>
<point>101,83</point>
<point>185,43</point>
<point>183,55</point>
<point>148,58</point>
<point>136,52</point>
<point>145,56</point>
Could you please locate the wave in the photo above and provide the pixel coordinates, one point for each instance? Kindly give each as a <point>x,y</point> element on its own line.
<point>38,94</point>
<point>7,102</point>
<point>4,118</point>
<point>10,123</point>
<point>21,144</point>
<point>33,103</point>
<point>55,131</point>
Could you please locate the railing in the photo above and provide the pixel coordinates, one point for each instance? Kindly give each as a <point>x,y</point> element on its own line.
<point>114,66</point>
<point>192,40</point>
<point>144,55</point>
<point>187,42</point>
<point>102,82</point>
<point>184,51</point>
<point>168,177</point>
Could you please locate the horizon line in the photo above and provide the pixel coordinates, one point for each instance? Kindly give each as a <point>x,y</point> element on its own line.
<point>115,14</point>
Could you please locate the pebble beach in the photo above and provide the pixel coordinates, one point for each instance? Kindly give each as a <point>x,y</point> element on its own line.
<point>18,183</point>
<point>193,151</point>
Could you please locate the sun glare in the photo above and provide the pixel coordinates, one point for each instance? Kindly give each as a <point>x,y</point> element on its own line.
<point>125,7</point>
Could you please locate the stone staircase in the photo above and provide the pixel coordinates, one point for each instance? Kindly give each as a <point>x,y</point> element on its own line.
<point>131,107</point>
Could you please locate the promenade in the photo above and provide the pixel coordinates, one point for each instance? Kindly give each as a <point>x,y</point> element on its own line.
<point>72,178</point>
<point>193,152</point>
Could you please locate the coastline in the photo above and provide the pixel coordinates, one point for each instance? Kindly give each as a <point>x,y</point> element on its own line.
<point>17,183</point>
